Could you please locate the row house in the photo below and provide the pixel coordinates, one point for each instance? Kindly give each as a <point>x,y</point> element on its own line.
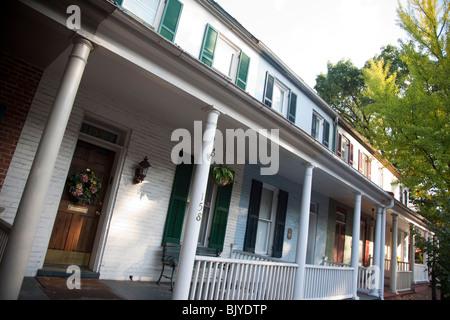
<point>135,101</point>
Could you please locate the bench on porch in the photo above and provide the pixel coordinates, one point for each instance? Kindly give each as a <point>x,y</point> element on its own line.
<point>171,254</point>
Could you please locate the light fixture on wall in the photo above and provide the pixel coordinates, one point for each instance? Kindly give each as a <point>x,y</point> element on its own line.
<point>141,171</point>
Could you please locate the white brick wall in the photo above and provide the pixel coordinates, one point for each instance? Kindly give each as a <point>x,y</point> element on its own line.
<point>137,223</point>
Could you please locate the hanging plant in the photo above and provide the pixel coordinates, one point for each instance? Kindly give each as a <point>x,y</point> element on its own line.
<point>222,175</point>
<point>84,187</point>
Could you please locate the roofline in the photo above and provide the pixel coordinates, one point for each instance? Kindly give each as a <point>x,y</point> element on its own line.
<point>266,53</point>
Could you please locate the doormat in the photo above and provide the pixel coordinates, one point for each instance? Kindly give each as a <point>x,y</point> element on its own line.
<point>90,289</point>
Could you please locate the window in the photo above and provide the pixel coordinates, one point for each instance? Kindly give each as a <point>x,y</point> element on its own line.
<point>280,98</point>
<point>222,55</point>
<point>316,125</point>
<point>313,216</point>
<point>267,212</point>
<point>226,58</point>
<point>345,149</point>
<point>266,220</point>
<point>365,164</point>
<point>215,215</point>
<point>154,13</point>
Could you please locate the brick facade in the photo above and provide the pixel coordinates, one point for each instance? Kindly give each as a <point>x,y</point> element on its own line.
<point>18,83</point>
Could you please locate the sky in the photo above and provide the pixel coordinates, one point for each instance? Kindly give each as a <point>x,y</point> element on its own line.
<point>307,34</point>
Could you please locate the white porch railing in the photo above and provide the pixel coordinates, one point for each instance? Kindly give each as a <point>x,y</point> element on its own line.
<point>365,275</point>
<point>404,280</point>
<point>233,279</point>
<point>5,229</point>
<point>324,282</point>
<point>420,273</point>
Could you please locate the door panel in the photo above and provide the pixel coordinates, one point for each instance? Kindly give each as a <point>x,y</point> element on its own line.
<point>75,225</point>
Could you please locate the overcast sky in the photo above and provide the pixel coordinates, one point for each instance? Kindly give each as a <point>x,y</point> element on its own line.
<point>306,34</point>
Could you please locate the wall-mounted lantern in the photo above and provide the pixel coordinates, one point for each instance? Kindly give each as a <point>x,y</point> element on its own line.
<point>141,171</point>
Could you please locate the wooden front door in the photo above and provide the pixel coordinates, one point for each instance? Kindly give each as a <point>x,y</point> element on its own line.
<point>339,240</point>
<point>76,224</point>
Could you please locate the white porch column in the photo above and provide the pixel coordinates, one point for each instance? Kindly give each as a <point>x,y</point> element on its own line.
<point>21,238</point>
<point>355,241</point>
<point>394,253</point>
<point>302,237</point>
<point>425,255</point>
<point>382,252</point>
<point>195,211</point>
<point>377,249</point>
<point>412,254</point>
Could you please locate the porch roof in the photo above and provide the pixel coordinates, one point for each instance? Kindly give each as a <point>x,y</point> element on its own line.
<point>136,66</point>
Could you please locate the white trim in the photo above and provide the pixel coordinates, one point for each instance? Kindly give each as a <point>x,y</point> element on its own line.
<point>111,192</point>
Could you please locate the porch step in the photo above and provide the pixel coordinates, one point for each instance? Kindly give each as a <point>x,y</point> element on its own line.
<point>51,270</point>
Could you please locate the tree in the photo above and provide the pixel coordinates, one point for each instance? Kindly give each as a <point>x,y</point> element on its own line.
<point>343,85</point>
<point>341,88</point>
<point>413,120</point>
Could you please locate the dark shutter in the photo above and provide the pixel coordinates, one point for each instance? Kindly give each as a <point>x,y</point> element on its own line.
<point>314,125</point>
<point>350,156</point>
<point>220,220</point>
<point>209,45</point>
<point>326,133</point>
<point>339,145</point>
<point>242,74</point>
<point>360,162</point>
<point>280,224</point>
<point>253,216</point>
<point>268,90</point>
<point>292,107</point>
<point>178,203</point>
<point>170,18</point>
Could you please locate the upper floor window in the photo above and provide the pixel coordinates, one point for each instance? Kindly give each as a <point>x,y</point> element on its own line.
<point>280,97</point>
<point>222,55</point>
<point>160,15</point>
<point>316,125</point>
<point>345,149</point>
<point>365,164</point>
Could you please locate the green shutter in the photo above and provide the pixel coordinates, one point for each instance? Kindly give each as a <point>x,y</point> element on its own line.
<point>326,133</point>
<point>119,2</point>
<point>178,203</point>
<point>242,75</point>
<point>292,107</point>
<point>170,18</point>
<point>220,220</point>
<point>209,45</point>
<point>253,216</point>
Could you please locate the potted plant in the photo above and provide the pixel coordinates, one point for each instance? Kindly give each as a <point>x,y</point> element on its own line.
<point>222,175</point>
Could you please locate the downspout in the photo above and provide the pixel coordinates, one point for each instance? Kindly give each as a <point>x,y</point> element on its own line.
<point>383,243</point>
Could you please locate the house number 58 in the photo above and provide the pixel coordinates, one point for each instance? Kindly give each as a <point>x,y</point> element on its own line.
<point>200,209</point>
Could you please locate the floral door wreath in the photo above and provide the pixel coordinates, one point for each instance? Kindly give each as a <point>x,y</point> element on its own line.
<point>84,186</point>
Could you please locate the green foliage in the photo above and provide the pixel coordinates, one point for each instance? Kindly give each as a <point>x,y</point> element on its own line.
<point>221,174</point>
<point>413,121</point>
<point>400,102</point>
<point>341,88</point>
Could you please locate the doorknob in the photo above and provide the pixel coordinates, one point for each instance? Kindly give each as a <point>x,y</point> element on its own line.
<point>97,213</point>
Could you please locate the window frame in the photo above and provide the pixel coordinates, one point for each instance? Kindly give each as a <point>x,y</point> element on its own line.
<point>158,14</point>
<point>318,126</point>
<point>272,222</point>
<point>234,64</point>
